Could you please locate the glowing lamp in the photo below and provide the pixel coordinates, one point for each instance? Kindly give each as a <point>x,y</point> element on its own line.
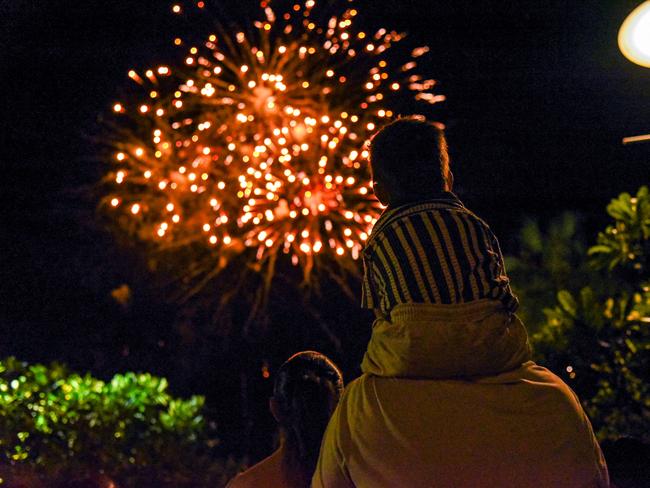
<point>634,35</point>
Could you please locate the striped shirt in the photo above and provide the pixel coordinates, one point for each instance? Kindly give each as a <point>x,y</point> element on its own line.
<point>434,251</point>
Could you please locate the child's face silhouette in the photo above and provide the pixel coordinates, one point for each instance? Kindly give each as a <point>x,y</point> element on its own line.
<point>380,192</point>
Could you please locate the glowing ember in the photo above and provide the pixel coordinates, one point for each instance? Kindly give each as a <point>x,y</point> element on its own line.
<point>256,144</point>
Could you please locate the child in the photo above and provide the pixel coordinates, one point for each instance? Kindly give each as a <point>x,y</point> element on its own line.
<point>433,271</point>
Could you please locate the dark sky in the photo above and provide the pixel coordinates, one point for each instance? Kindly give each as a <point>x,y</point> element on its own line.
<point>538,94</point>
<point>539,98</point>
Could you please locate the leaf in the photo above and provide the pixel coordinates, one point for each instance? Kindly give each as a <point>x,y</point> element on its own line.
<point>618,209</point>
<point>599,248</point>
<point>532,237</point>
<point>567,302</point>
<point>631,346</point>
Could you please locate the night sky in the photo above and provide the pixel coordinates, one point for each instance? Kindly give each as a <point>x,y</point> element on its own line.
<point>538,100</point>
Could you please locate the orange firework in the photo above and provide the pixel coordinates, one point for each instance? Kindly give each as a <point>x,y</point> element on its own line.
<point>254,147</point>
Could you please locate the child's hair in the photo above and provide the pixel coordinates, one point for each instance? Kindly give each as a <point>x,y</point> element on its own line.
<point>409,157</point>
<point>306,391</point>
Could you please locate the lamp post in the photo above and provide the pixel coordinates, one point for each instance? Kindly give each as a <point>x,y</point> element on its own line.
<point>634,43</point>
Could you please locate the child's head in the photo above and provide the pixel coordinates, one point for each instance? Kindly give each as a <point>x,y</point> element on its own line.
<point>409,161</point>
<point>306,391</point>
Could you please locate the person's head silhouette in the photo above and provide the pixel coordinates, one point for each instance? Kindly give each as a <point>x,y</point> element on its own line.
<point>306,391</point>
<point>409,161</point>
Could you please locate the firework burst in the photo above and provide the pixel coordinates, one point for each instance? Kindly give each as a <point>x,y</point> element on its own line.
<point>253,148</point>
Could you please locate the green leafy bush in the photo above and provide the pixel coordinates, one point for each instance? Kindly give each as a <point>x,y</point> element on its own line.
<point>599,338</point>
<point>624,247</point>
<point>548,260</point>
<point>58,425</point>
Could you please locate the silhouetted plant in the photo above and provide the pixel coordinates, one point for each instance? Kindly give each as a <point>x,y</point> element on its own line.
<point>548,260</point>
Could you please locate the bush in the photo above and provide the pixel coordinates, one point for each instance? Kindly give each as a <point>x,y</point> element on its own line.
<point>599,338</point>
<point>548,260</point>
<point>58,425</point>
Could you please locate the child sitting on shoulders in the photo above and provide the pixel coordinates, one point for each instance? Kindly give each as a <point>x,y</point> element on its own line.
<point>433,270</point>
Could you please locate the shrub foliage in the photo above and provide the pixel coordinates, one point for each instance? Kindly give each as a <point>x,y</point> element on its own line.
<point>60,425</point>
<point>549,259</point>
<point>598,338</point>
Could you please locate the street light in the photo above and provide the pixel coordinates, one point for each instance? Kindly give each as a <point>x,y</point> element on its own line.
<point>634,35</point>
<point>634,43</point>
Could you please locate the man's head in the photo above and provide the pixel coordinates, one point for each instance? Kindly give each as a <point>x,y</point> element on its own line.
<point>409,161</point>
